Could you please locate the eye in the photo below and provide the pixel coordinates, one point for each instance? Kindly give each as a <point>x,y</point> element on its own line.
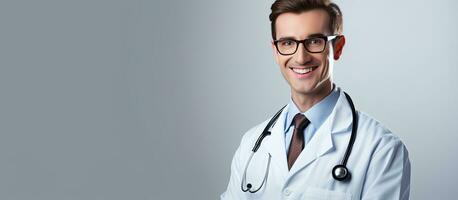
<point>315,41</point>
<point>286,43</point>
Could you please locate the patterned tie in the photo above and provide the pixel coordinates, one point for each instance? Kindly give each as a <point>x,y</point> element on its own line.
<point>297,140</point>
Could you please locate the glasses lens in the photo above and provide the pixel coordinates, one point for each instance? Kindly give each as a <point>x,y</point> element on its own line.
<point>315,44</point>
<point>286,46</point>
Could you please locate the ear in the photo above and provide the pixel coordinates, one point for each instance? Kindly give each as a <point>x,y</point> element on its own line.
<point>338,46</point>
<point>274,51</point>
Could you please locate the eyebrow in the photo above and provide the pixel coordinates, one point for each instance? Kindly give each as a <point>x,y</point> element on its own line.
<point>309,36</point>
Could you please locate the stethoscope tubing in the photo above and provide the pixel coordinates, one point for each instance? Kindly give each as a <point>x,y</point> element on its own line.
<point>354,130</point>
<point>267,131</point>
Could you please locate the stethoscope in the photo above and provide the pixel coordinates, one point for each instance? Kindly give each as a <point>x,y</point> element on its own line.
<point>339,172</point>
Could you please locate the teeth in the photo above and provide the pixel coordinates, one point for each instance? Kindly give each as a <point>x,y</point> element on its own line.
<point>302,71</point>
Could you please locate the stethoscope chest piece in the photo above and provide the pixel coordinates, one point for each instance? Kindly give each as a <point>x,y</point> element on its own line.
<point>341,173</point>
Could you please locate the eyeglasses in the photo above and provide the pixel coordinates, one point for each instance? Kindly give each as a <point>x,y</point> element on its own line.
<point>316,44</point>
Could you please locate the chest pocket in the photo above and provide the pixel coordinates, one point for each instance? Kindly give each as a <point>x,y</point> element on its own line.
<point>323,194</point>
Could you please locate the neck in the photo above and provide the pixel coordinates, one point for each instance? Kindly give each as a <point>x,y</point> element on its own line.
<point>304,101</point>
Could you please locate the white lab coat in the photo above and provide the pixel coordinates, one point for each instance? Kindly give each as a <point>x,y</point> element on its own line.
<point>379,163</point>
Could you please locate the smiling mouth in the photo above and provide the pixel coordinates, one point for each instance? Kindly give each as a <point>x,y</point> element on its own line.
<point>303,70</point>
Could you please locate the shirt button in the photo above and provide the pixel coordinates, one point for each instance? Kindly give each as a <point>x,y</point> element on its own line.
<point>287,192</point>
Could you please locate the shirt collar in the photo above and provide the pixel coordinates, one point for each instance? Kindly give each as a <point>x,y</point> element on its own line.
<point>317,114</point>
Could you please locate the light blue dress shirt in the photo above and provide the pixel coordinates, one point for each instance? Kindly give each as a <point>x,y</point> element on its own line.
<point>317,114</point>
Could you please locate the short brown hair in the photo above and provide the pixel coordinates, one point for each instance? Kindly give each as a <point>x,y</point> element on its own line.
<point>298,6</point>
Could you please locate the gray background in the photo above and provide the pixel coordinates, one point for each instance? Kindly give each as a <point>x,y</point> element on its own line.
<point>149,99</point>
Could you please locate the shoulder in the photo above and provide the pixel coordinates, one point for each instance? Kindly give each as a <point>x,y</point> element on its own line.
<point>377,135</point>
<point>252,134</point>
<point>248,141</point>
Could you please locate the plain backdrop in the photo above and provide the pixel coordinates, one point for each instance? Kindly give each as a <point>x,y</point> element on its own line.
<point>148,99</point>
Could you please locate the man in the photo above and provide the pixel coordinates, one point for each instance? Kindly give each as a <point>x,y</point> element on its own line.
<point>312,133</point>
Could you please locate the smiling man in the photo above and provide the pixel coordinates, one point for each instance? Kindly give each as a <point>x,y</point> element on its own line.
<point>317,146</point>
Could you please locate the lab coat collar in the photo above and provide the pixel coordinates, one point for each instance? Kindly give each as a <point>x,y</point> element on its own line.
<point>338,121</point>
<point>341,117</point>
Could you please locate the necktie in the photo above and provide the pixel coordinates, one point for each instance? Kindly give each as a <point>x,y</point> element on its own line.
<point>297,140</point>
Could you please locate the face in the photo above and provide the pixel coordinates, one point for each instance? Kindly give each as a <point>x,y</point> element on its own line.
<point>302,26</point>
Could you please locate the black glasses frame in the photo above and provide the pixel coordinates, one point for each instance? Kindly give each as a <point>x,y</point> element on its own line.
<point>324,37</point>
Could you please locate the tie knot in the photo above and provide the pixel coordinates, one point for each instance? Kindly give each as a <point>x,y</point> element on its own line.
<point>300,121</point>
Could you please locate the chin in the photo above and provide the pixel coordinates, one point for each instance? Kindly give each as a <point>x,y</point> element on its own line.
<point>303,90</point>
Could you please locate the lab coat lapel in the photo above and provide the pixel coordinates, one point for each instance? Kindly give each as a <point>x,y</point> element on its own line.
<point>322,142</point>
<point>276,145</point>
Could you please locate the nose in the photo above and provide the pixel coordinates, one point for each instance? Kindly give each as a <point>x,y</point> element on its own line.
<point>302,55</point>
